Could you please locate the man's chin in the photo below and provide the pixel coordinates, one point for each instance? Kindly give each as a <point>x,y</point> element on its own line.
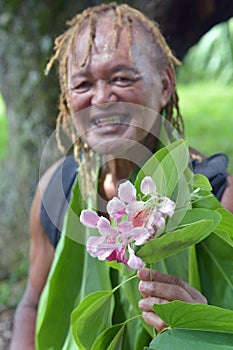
<point>116,146</point>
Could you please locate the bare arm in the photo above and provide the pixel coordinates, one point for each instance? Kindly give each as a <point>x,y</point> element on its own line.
<point>41,256</point>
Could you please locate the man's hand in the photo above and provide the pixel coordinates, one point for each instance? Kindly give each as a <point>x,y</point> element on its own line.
<point>162,289</point>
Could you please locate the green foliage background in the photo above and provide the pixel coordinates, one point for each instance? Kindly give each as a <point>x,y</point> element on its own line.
<point>206,92</point>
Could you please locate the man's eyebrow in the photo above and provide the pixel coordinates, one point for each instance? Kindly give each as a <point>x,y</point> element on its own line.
<point>121,67</point>
<point>83,73</point>
<point>79,75</point>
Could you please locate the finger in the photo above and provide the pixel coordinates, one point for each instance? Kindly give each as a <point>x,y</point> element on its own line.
<point>147,304</point>
<point>153,320</point>
<point>164,291</point>
<point>197,297</point>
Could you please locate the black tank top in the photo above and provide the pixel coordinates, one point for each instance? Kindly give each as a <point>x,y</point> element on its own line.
<point>58,192</point>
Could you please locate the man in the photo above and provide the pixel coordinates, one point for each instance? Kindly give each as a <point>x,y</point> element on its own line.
<point>110,56</point>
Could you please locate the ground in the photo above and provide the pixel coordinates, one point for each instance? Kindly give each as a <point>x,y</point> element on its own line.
<point>6,323</point>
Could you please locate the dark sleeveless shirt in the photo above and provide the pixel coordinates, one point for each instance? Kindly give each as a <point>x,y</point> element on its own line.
<point>58,192</point>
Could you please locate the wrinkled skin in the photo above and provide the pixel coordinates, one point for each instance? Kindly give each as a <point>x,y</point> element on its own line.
<point>162,289</point>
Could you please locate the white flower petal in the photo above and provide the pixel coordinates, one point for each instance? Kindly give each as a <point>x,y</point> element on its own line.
<point>147,185</point>
<point>89,218</point>
<point>127,192</point>
<point>134,261</point>
<point>167,206</point>
<point>133,208</point>
<point>116,208</point>
<point>105,227</point>
<point>157,219</point>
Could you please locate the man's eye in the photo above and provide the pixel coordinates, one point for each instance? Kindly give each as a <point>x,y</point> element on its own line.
<point>122,81</point>
<point>82,87</point>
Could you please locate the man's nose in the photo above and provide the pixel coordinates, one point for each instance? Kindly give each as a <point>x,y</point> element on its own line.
<point>103,93</point>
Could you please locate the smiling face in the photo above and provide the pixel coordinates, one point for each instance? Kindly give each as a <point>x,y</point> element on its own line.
<point>106,94</point>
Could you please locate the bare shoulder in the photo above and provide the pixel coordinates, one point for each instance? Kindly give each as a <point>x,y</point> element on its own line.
<point>227,197</point>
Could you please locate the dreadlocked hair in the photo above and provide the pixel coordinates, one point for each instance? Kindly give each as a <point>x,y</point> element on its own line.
<point>124,16</point>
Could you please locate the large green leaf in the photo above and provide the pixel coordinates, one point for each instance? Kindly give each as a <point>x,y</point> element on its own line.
<point>215,259</point>
<point>198,214</point>
<point>201,182</point>
<point>208,201</point>
<point>165,167</point>
<point>179,339</point>
<point>178,314</point>
<point>194,274</point>
<point>110,339</point>
<point>91,317</point>
<point>173,242</point>
<point>57,299</point>
<point>225,227</point>
<point>68,282</point>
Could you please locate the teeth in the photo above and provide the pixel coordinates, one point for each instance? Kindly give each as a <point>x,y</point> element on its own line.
<point>114,119</point>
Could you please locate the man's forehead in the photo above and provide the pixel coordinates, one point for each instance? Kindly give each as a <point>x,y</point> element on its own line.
<point>107,34</point>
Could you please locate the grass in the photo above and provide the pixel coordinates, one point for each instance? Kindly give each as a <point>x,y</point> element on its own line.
<point>207,108</point>
<point>12,287</point>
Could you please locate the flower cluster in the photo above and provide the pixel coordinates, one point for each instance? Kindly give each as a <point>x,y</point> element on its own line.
<point>133,222</point>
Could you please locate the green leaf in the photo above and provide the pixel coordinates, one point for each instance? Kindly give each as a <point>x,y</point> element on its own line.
<point>201,181</point>
<point>178,314</point>
<point>209,202</point>
<point>92,314</point>
<point>173,242</point>
<point>74,274</point>
<point>216,270</point>
<point>179,339</point>
<point>110,339</point>
<point>165,167</point>
<point>53,304</point>
<point>225,227</point>
<point>194,275</point>
<point>198,214</point>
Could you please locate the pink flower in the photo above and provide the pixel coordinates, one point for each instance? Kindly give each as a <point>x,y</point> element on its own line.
<point>118,255</point>
<point>134,262</point>
<point>166,206</point>
<point>100,247</point>
<point>127,192</point>
<point>105,228</point>
<point>89,218</point>
<point>135,222</point>
<point>116,208</point>
<point>147,185</point>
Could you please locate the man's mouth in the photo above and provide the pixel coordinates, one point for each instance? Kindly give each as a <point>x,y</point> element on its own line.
<point>110,120</point>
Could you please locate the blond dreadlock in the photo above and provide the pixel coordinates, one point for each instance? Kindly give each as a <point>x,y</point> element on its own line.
<point>125,15</point>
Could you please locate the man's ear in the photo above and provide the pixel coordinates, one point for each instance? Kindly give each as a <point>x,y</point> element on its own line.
<point>168,85</point>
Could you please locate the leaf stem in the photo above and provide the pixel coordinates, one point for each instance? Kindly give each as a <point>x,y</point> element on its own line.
<point>132,318</point>
<point>122,283</point>
<point>151,272</point>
